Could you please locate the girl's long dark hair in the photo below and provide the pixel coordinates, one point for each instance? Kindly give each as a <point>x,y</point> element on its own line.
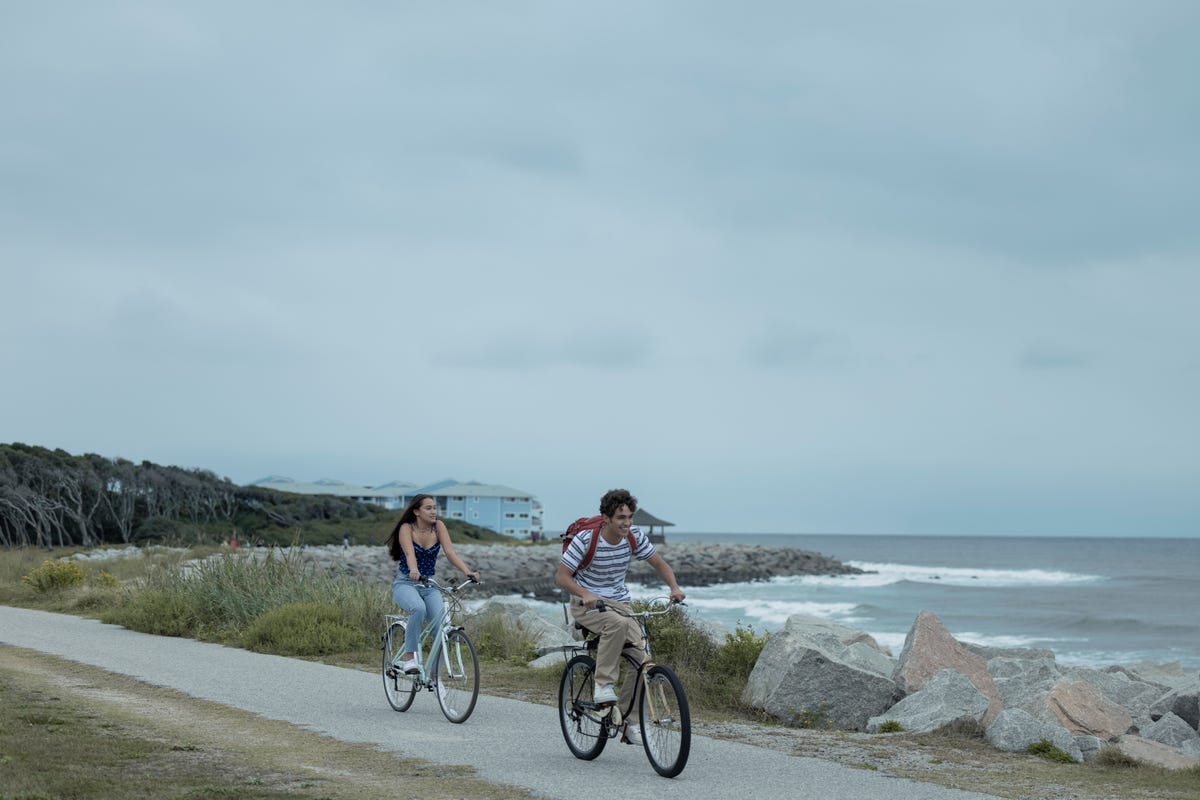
<point>409,516</point>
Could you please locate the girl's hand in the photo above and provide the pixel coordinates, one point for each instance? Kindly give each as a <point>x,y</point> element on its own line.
<point>414,575</point>
<point>472,575</point>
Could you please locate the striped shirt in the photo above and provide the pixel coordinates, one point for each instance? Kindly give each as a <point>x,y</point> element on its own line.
<point>605,575</point>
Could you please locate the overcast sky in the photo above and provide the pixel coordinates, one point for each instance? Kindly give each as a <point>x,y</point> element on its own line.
<point>921,267</point>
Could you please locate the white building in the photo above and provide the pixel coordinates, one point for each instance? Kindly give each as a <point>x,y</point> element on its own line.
<point>502,509</point>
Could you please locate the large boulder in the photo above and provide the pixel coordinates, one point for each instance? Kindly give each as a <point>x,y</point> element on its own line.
<point>1170,676</point>
<point>1155,753</point>
<point>1082,710</point>
<point>816,671</point>
<point>929,648</point>
<point>1172,731</point>
<point>946,697</point>
<point>1014,729</point>
<point>1024,682</point>
<point>1182,702</point>
<point>1120,688</point>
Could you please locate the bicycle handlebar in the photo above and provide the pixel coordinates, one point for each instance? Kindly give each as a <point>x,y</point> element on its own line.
<point>602,606</point>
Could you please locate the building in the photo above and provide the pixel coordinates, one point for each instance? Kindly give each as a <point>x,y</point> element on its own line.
<point>502,509</point>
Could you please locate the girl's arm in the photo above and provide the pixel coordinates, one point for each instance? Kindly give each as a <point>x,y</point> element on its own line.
<point>410,558</point>
<point>451,556</point>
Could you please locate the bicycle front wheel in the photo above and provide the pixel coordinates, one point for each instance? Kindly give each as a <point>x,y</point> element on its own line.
<point>399,688</point>
<point>666,722</point>
<point>581,727</point>
<point>457,677</point>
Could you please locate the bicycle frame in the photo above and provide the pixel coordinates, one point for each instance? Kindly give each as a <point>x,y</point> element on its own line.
<point>640,670</point>
<point>433,634</point>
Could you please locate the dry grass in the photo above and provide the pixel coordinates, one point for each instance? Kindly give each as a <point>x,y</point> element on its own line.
<point>67,730</point>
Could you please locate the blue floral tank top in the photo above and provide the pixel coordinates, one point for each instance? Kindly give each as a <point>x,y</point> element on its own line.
<point>426,559</point>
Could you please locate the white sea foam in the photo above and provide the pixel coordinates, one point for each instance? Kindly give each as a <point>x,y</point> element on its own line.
<point>884,574</point>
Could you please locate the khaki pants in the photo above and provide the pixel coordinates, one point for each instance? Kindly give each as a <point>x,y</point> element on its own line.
<point>617,633</point>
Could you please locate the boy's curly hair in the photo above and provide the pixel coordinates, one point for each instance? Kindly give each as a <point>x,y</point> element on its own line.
<point>614,499</point>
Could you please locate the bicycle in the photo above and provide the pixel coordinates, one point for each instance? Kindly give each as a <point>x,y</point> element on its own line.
<point>455,677</point>
<point>665,721</point>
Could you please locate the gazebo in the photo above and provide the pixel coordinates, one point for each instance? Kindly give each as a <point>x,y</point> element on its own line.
<point>644,519</point>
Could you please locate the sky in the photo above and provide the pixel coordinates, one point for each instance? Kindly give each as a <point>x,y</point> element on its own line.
<point>862,267</point>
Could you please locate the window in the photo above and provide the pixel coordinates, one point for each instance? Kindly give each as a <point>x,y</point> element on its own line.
<point>524,515</point>
<point>509,515</point>
<point>457,515</point>
<point>474,515</point>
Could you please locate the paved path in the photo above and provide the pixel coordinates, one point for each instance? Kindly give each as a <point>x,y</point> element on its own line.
<point>506,741</point>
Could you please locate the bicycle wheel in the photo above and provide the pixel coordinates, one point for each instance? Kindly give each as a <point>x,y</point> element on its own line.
<point>580,727</point>
<point>666,722</point>
<point>457,677</point>
<point>399,688</point>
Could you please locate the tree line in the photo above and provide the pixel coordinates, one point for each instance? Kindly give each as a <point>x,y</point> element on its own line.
<point>50,498</point>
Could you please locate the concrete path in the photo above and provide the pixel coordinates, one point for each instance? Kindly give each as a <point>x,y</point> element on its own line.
<point>505,741</point>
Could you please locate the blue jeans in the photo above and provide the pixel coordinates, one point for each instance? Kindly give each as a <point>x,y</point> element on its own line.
<point>423,604</point>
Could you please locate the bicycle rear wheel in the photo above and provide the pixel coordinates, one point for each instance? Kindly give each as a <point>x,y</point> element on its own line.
<point>399,688</point>
<point>457,677</point>
<point>581,727</point>
<point>666,722</point>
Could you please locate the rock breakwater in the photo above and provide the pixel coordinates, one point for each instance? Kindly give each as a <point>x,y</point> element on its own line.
<point>529,570</point>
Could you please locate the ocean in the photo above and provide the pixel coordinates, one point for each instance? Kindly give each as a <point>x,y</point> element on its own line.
<point>1094,602</point>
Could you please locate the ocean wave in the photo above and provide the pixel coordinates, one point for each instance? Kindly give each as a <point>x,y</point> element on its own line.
<point>773,613</point>
<point>886,574</point>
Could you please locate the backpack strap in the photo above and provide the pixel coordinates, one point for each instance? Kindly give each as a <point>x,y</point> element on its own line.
<point>591,550</point>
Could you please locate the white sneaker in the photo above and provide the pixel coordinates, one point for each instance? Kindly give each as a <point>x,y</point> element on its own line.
<point>604,694</point>
<point>630,734</point>
<point>410,667</point>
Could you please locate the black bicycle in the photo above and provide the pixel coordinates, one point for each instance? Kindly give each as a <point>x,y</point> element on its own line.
<point>665,722</point>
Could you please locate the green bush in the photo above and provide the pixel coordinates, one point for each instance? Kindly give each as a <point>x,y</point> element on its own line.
<point>1044,749</point>
<point>891,726</point>
<point>105,580</point>
<point>303,629</point>
<point>55,575</point>
<point>495,640</point>
<point>157,611</point>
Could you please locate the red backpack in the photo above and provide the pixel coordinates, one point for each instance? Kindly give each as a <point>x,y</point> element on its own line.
<point>589,524</point>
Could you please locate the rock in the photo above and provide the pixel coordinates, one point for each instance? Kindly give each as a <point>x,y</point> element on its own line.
<point>1155,753</point>
<point>988,653</point>
<point>1024,682</point>
<point>808,674</point>
<point>1169,676</point>
<point>1082,710</point>
<point>929,648</point>
<point>1089,746</point>
<point>946,697</point>
<point>1120,688</point>
<point>1182,702</point>
<point>1015,729</point>
<point>1170,730</point>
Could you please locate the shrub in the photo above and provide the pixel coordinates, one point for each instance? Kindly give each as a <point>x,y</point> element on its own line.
<point>156,611</point>
<point>736,658</point>
<point>55,576</point>
<point>303,629</point>
<point>494,640</point>
<point>891,726</point>
<point>813,718</point>
<point>1044,749</point>
<point>1110,756</point>
<point>105,580</point>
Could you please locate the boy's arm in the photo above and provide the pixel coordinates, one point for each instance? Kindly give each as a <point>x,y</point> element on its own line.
<point>667,574</point>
